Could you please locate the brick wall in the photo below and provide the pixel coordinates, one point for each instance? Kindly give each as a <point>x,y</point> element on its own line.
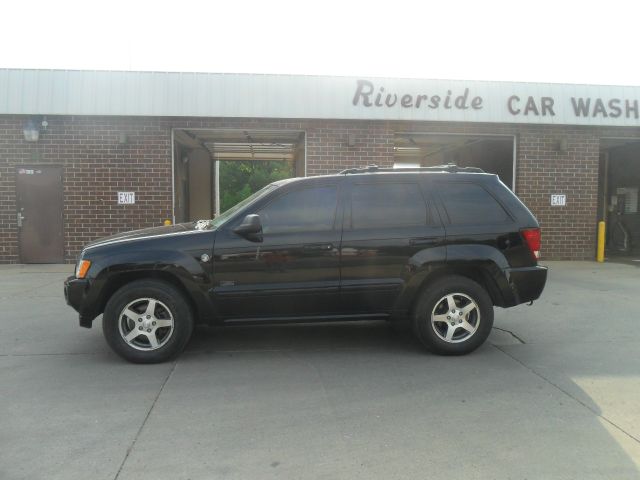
<point>96,166</point>
<point>328,150</point>
<point>568,232</point>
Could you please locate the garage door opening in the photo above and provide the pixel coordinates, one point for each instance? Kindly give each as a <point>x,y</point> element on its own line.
<point>216,168</point>
<point>618,196</point>
<point>491,153</point>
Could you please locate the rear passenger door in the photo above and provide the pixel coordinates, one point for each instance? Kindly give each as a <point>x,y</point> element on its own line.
<point>389,227</point>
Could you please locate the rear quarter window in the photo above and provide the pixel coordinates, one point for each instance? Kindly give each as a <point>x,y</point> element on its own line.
<point>471,204</point>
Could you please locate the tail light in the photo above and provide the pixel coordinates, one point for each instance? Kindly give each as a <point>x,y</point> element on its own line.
<point>532,238</point>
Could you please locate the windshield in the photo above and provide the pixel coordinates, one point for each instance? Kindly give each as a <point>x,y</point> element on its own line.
<point>223,217</point>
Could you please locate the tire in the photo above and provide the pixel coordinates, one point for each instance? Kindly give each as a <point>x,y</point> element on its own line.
<point>457,329</point>
<point>157,312</point>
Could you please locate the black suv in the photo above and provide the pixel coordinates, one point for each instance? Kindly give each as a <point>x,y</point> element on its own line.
<point>433,247</point>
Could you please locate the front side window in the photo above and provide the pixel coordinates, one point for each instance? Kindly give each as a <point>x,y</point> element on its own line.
<point>309,209</point>
<point>383,205</point>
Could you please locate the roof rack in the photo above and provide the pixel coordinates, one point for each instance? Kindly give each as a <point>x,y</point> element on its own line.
<point>450,168</point>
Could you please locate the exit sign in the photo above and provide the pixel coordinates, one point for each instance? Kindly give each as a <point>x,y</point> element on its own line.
<point>126,198</point>
<point>558,200</point>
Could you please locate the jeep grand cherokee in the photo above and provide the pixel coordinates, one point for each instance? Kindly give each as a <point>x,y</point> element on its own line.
<point>436,247</point>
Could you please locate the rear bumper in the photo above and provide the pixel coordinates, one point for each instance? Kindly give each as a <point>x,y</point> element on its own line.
<point>526,284</point>
<point>76,291</point>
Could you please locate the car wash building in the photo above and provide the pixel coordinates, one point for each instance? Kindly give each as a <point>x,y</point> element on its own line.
<point>84,154</point>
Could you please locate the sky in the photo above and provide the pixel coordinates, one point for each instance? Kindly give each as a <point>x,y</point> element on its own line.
<point>536,41</point>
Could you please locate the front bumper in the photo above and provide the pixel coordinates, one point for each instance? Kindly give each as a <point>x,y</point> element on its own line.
<point>526,283</point>
<point>76,291</point>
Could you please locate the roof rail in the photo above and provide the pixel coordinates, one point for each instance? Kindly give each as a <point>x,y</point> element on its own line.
<point>368,168</point>
<point>450,168</point>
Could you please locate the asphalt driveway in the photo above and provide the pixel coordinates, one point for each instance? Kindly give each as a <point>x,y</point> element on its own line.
<point>554,394</point>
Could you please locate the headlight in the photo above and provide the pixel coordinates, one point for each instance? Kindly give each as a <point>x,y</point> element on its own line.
<point>82,268</point>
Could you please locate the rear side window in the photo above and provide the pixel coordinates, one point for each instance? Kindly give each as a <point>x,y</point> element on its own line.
<point>387,205</point>
<point>470,204</point>
<point>309,209</point>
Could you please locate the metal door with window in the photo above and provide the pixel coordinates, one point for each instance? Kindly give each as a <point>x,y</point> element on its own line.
<point>386,224</point>
<point>39,214</point>
<point>295,270</point>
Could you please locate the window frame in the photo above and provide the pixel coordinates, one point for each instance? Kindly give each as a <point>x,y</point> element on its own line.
<point>429,219</point>
<point>509,218</point>
<point>299,188</point>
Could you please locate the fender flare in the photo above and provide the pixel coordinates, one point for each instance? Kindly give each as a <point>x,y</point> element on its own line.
<point>176,267</point>
<point>482,263</point>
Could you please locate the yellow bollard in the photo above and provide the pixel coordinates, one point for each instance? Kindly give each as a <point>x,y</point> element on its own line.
<point>601,239</point>
<point>167,222</point>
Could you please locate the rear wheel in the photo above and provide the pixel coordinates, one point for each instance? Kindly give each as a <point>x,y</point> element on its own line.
<point>147,321</point>
<point>453,316</point>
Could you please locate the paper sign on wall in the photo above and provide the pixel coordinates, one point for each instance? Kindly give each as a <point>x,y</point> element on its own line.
<point>558,200</point>
<point>126,198</point>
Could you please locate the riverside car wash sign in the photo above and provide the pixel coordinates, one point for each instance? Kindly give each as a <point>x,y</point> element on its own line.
<point>520,103</point>
<point>171,94</point>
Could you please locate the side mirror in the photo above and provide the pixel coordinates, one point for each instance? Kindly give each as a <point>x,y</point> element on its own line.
<point>250,228</point>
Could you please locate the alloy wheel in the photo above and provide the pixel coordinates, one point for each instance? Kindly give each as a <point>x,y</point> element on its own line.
<point>455,317</point>
<point>146,324</point>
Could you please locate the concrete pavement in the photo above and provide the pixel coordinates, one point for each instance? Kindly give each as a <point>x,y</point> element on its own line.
<point>554,394</point>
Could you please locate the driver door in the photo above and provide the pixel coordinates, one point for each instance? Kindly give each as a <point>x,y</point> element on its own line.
<point>294,271</point>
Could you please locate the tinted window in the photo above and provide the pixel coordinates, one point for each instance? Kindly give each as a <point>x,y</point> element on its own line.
<point>387,205</point>
<point>309,209</point>
<point>469,204</point>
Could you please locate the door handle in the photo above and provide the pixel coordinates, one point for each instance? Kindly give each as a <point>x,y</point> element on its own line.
<point>318,246</point>
<point>424,240</point>
<point>20,219</point>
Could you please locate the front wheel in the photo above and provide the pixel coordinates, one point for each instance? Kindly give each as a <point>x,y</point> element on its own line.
<point>147,321</point>
<point>453,316</point>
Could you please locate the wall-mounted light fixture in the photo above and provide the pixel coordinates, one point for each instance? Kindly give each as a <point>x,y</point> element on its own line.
<point>563,145</point>
<point>31,130</point>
